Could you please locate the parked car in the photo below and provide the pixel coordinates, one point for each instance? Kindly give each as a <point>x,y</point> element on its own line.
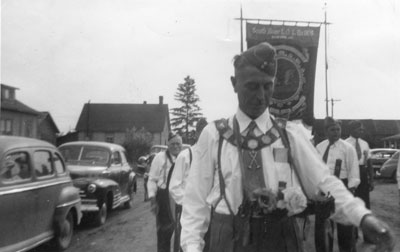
<point>102,173</point>
<point>389,168</point>
<point>380,156</point>
<point>38,201</point>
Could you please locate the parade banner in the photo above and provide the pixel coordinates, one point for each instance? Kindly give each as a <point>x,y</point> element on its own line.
<point>297,48</point>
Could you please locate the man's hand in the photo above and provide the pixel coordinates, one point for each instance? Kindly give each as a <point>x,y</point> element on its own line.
<point>378,232</point>
<point>153,205</point>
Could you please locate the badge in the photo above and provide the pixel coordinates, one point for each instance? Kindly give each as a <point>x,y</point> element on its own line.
<point>252,144</point>
<point>281,155</point>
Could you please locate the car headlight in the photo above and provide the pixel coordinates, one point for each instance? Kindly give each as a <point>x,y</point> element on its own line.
<point>91,188</point>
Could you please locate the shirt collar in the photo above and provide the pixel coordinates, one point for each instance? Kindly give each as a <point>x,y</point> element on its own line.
<point>263,122</point>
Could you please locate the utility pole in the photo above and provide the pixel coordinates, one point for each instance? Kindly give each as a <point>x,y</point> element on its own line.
<point>241,29</point>
<point>332,103</point>
<point>326,66</point>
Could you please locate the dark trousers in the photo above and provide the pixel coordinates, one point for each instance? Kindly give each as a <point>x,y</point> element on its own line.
<point>266,234</point>
<point>324,230</point>
<point>362,190</point>
<point>178,228</point>
<point>164,221</point>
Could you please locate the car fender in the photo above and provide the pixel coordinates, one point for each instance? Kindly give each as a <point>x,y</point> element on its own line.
<point>68,200</point>
<point>132,181</point>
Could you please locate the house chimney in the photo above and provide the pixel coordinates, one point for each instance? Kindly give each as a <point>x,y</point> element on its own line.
<point>144,102</point>
<point>160,98</point>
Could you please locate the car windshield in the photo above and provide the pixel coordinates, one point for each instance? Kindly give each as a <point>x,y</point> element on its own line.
<point>85,155</point>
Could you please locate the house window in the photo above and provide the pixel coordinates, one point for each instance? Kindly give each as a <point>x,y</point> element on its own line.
<point>28,128</point>
<point>6,126</point>
<point>110,138</point>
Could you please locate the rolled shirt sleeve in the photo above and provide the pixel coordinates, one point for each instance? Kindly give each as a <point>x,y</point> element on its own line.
<point>315,176</point>
<point>196,212</point>
<point>155,174</point>
<point>178,177</point>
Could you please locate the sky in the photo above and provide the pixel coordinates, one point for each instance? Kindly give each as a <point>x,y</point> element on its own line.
<point>61,54</point>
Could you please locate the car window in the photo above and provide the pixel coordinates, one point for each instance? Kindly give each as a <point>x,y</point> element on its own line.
<point>58,164</point>
<point>15,167</point>
<point>116,157</point>
<point>94,155</point>
<point>71,153</point>
<point>42,162</point>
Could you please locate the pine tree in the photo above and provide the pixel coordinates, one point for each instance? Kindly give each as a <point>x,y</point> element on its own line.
<point>186,116</point>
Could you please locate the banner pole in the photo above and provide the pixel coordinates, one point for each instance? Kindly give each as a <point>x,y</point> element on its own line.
<point>241,29</point>
<point>326,66</point>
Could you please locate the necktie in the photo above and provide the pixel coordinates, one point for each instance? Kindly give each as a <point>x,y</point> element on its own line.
<point>358,149</point>
<point>252,126</point>
<point>325,156</point>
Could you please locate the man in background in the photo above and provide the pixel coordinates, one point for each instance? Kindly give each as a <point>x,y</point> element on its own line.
<point>341,158</point>
<point>366,172</point>
<point>178,181</point>
<point>158,183</point>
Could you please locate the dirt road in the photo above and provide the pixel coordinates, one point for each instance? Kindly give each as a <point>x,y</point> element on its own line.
<point>134,230</point>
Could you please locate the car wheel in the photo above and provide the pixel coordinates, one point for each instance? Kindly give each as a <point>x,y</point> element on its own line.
<point>129,203</point>
<point>64,235</point>
<point>101,215</point>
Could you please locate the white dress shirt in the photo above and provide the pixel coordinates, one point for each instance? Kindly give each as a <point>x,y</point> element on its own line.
<point>179,176</point>
<point>158,173</point>
<point>346,152</point>
<point>203,190</point>
<point>364,149</point>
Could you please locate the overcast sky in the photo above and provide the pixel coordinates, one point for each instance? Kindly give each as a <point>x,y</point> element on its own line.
<point>63,53</point>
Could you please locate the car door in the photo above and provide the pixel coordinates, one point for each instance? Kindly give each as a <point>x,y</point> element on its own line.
<point>17,199</point>
<point>125,171</point>
<point>115,166</point>
<point>49,189</point>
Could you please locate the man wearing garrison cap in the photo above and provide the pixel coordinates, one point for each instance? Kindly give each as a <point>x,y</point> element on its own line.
<point>341,158</point>
<point>158,183</point>
<point>252,173</point>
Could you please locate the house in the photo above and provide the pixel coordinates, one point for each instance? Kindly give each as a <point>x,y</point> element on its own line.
<point>47,129</point>
<point>110,122</point>
<point>378,133</point>
<point>16,118</point>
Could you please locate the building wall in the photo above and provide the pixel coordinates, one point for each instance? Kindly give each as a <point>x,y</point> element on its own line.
<point>47,133</point>
<point>22,124</point>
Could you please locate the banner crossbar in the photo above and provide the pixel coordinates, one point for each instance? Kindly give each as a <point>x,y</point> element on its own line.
<point>295,22</point>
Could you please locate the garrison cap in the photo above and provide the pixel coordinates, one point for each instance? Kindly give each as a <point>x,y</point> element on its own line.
<point>261,56</point>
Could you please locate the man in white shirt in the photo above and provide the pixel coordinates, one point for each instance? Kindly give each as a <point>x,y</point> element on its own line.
<point>158,183</point>
<point>178,181</point>
<point>248,168</point>
<point>366,172</point>
<point>341,158</point>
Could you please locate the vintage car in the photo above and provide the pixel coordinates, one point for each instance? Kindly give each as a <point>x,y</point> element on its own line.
<point>102,173</point>
<point>389,168</point>
<point>379,156</point>
<point>38,201</point>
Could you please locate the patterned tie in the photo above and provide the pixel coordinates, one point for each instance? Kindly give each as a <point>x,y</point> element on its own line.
<point>358,149</point>
<point>325,156</point>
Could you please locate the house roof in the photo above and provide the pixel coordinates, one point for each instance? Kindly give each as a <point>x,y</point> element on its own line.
<point>17,106</point>
<point>46,116</point>
<point>120,117</point>
<point>394,137</point>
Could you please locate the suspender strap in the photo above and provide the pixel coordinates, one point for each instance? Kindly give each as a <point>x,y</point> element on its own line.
<point>221,178</point>
<point>190,156</point>
<point>170,169</point>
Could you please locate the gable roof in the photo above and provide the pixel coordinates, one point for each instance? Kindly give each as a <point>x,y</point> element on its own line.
<point>46,116</point>
<point>120,117</point>
<point>17,106</point>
